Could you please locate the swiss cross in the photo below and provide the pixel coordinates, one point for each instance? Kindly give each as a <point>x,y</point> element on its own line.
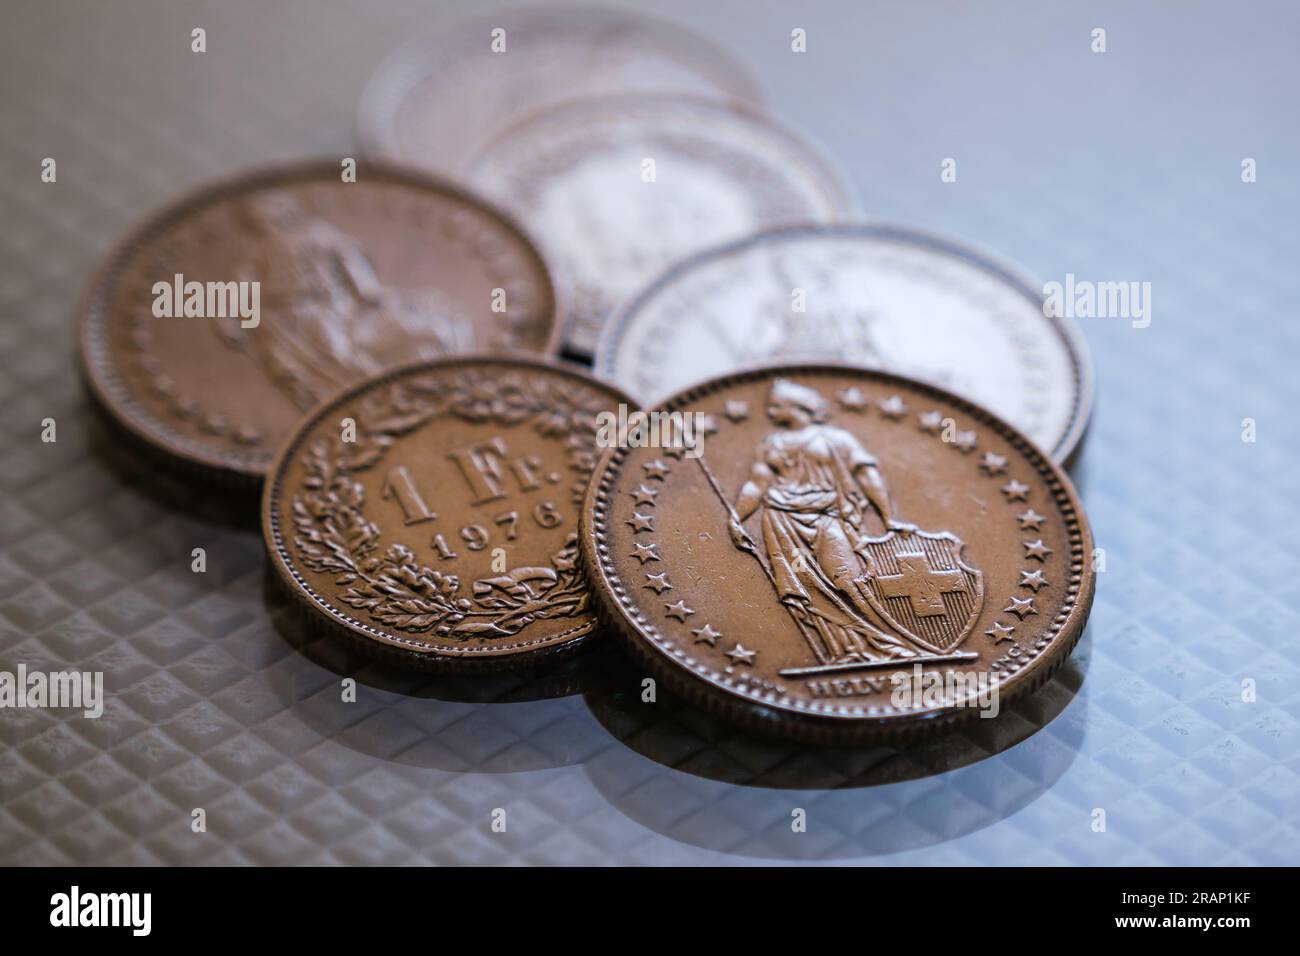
<point>922,584</point>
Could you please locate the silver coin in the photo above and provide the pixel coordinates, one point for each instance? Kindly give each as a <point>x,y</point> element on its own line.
<point>617,188</point>
<point>438,99</point>
<point>874,295</point>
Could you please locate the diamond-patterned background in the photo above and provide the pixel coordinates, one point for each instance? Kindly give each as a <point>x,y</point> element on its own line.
<point>1116,166</point>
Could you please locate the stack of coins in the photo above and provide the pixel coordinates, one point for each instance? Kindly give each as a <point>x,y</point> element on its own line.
<point>842,513</point>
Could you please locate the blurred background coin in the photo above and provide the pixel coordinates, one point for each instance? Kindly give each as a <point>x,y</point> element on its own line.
<point>214,326</point>
<point>437,100</point>
<point>874,295</point>
<point>617,188</point>
<point>443,529</point>
<point>841,554</point>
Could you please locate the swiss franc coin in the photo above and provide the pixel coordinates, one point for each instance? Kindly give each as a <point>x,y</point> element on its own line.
<point>431,512</point>
<point>619,187</point>
<point>837,554</point>
<point>219,322</point>
<point>874,295</point>
<point>437,100</point>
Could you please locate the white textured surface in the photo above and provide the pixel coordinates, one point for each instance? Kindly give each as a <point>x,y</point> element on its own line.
<point>1116,166</point>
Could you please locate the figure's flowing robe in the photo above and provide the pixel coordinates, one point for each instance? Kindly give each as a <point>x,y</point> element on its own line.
<point>330,320</point>
<point>811,513</point>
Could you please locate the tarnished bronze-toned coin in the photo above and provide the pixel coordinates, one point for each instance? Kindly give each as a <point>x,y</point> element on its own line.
<point>431,512</point>
<point>222,319</point>
<point>618,187</point>
<point>838,554</point>
<point>516,61</point>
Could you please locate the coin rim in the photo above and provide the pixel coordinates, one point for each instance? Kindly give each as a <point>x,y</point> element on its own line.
<point>101,374</point>
<point>815,724</point>
<point>827,171</point>
<point>410,64</point>
<point>823,170</point>
<point>1067,446</point>
<point>377,639</point>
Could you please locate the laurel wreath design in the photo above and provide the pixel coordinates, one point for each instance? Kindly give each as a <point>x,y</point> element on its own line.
<point>334,536</point>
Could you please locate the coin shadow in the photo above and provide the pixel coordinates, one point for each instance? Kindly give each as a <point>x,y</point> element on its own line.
<point>234,508</point>
<point>693,778</point>
<point>504,722</point>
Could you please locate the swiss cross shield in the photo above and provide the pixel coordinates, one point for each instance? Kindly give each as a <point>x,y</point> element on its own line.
<point>918,582</point>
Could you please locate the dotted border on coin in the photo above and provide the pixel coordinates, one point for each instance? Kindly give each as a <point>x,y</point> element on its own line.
<point>93,308</point>
<point>408,66</point>
<point>1069,445</point>
<point>634,626</point>
<point>273,539</point>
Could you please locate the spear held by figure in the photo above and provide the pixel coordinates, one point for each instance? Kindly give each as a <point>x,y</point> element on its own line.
<point>746,543</point>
